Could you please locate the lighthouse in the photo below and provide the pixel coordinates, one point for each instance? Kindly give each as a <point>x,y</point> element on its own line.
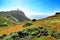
<point>17,9</point>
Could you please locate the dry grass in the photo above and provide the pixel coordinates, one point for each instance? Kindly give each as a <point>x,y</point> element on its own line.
<point>7,30</point>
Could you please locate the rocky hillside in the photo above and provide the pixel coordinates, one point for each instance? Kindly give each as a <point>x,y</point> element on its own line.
<point>19,15</point>
<point>15,15</point>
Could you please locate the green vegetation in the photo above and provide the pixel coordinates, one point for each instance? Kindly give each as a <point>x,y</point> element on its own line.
<point>4,21</point>
<point>52,19</point>
<point>37,33</point>
<point>27,24</point>
<point>44,29</point>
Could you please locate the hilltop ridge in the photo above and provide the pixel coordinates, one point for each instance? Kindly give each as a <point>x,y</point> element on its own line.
<point>16,15</point>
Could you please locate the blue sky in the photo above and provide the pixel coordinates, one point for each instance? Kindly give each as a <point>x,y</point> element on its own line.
<point>32,8</point>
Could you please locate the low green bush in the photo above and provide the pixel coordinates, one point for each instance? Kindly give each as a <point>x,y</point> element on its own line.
<point>27,24</point>
<point>37,33</point>
<point>34,20</point>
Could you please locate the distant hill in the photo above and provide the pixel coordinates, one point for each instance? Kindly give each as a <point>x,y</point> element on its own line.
<point>19,15</point>
<point>15,15</point>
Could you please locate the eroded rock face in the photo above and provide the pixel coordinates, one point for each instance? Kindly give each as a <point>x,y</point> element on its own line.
<point>16,15</point>
<point>19,15</point>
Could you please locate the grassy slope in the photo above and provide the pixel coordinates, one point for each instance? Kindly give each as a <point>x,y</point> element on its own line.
<point>43,22</point>
<point>4,22</point>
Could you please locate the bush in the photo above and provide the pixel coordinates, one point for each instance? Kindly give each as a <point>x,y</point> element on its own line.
<point>27,24</point>
<point>1,37</point>
<point>37,32</point>
<point>34,20</point>
<point>4,35</point>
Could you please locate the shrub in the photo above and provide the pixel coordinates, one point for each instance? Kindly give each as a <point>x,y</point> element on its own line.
<point>1,37</point>
<point>4,35</point>
<point>41,27</point>
<point>34,20</point>
<point>29,32</point>
<point>27,24</point>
